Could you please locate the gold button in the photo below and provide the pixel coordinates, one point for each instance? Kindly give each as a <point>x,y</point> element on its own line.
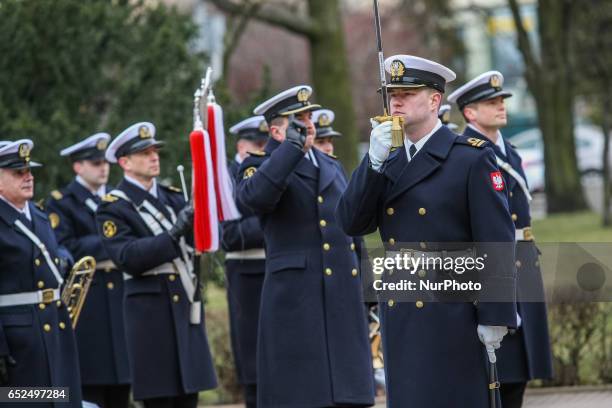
<point>514,217</point>
<point>390,211</point>
<point>392,241</point>
<point>42,306</point>
<point>58,303</point>
<point>422,273</point>
<point>172,278</point>
<point>390,302</point>
<point>422,211</point>
<point>40,284</point>
<point>511,194</point>
<point>175,298</point>
<point>56,261</point>
<point>47,327</point>
<point>110,285</point>
<point>62,325</point>
<point>518,263</point>
<point>320,199</point>
<point>537,263</point>
<point>352,247</point>
<point>37,262</point>
<point>322,223</point>
<point>354,272</point>
<point>328,271</point>
<point>326,246</point>
<point>423,245</point>
<point>108,269</point>
<point>419,304</point>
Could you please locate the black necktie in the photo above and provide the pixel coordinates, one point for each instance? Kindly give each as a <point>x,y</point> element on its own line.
<point>412,151</point>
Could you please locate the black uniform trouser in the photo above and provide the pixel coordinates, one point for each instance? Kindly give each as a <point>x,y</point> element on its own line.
<point>108,396</point>
<point>512,394</point>
<point>250,395</point>
<point>181,401</point>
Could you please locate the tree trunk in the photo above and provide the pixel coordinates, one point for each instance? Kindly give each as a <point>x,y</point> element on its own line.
<point>605,127</point>
<point>331,76</point>
<point>555,101</point>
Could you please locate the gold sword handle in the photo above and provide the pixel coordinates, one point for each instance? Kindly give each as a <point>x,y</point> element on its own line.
<point>397,128</point>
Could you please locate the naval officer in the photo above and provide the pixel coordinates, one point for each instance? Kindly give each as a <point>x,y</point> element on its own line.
<point>313,342</point>
<point>437,195</point>
<point>100,334</point>
<point>526,352</point>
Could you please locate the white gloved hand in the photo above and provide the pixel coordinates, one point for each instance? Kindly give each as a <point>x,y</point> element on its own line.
<point>380,143</point>
<point>491,336</point>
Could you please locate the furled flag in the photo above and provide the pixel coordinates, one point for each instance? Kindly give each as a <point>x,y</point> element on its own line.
<point>226,206</point>
<point>206,221</point>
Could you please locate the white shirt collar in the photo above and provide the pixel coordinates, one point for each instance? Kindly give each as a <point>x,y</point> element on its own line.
<point>25,211</point>
<point>500,140</point>
<point>421,141</point>
<point>101,192</point>
<point>238,158</point>
<point>310,156</point>
<point>152,191</point>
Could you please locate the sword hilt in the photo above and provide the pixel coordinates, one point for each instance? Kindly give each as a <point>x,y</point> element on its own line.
<point>397,128</point>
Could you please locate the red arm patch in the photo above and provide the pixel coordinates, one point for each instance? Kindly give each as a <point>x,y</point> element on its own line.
<point>497,180</point>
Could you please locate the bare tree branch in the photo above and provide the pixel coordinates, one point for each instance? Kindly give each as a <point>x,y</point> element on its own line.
<point>532,67</point>
<point>278,16</point>
<point>232,36</point>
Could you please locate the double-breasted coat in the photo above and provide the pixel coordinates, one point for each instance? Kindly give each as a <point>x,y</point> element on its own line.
<point>313,346</point>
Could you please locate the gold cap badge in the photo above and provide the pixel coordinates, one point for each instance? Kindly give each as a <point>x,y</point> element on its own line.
<point>263,126</point>
<point>24,151</point>
<point>303,95</point>
<point>144,132</point>
<point>397,69</point>
<point>324,120</point>
<point>495,81</point>
<point>102,144</point>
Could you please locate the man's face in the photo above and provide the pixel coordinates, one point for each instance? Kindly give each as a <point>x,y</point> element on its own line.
<point>415,105</point>
<point>17,186</point>
<point>94,172</point>
<point>489,114</point>
<point>324,144</point>
<point>143,164</point>
<point>243,146</point>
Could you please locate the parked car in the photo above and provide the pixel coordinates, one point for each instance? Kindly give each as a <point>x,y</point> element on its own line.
<point>589,149</point>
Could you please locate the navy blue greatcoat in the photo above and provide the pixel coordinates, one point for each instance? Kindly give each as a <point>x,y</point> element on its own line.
<point>244,283</point>
<point>39,338</point>
<point>100,332</point>
<point>313,348</point>
<point>168,355</point>
<point>433,357</point>
<point>526,353</point>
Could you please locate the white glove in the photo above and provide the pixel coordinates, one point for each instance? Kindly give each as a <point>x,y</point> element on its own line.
<point>491,336</point>
<point>380,143</point>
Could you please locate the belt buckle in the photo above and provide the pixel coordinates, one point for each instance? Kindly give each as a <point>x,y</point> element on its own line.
<point>48,296</point>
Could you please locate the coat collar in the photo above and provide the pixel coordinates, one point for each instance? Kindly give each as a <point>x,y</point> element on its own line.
<point>406,174</point>
<point>137,195</point>
<point>328,169</point>
<point>79,191</point>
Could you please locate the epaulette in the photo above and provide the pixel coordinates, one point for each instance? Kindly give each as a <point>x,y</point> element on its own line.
<point>472,141</point>
<point>57,195</point>
<point>333,156</point>
<point>259,153</point>
<point>175,189</point>
<point>513,145</point>
<point>109,198</point>
<point>40,204</point>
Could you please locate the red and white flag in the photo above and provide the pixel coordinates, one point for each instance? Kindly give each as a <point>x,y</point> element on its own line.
<point>206,221</point>
<point>226,206</point>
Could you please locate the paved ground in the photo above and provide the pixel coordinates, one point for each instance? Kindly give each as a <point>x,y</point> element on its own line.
<point>562,397</point>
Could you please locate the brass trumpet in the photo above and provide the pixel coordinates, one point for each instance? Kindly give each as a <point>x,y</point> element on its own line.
<point>77,285</point>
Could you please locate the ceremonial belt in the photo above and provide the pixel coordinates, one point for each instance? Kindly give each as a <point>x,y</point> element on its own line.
<point>163,269</point>
<point>158,223</point>
<point>91,204</point>
<point>45,296</point>
<point>43,249</point>
<point>413,253</point>
<point>524,234</point>
<point>519,179</point>
<point>255,253</point>
<point>107,265</point>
